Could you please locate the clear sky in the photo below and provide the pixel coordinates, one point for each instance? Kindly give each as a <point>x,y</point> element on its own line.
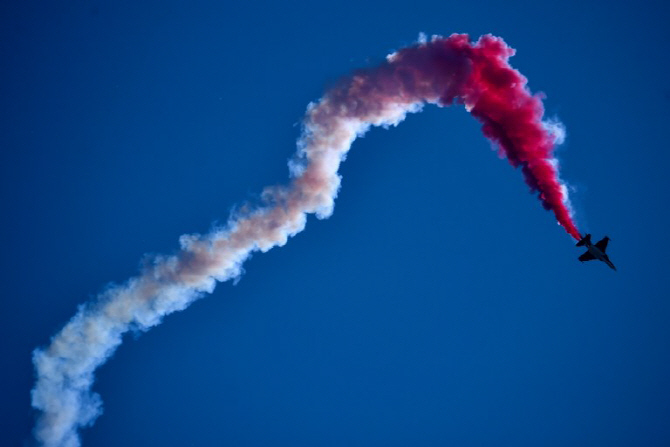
<point>440,305</point>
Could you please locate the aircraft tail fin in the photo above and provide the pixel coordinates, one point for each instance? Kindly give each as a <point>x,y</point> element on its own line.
<point>586,240</point>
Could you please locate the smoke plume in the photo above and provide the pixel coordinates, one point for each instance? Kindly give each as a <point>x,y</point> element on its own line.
<point>441,71</point>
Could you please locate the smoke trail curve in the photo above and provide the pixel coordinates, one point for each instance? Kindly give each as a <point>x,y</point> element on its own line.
<point>441,71</point>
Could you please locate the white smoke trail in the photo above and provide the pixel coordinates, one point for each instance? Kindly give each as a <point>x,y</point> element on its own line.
<point>380,97</point>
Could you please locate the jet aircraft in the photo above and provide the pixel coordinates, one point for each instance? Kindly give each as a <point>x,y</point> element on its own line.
<point>595,251</point>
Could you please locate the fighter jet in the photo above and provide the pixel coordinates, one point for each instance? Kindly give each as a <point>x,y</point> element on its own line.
<point>595,251</point>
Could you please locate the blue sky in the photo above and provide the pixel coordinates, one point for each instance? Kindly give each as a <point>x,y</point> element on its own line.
<point>440,305</point>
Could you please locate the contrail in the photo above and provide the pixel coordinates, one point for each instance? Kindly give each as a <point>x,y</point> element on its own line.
<point>441,71</point>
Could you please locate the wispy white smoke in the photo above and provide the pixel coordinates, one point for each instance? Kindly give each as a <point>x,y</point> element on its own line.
<point>427,72</point>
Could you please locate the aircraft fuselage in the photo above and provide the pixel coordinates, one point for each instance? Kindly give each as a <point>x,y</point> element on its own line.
<point>599,255</point>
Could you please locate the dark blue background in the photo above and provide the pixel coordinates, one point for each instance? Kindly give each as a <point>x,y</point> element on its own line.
<point>440,305</point>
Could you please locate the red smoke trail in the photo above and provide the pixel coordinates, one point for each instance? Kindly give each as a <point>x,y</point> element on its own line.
<point>496,95</point>
<point>479,76</point>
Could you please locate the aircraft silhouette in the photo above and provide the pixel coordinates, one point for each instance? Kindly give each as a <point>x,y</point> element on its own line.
<point>595,251</point>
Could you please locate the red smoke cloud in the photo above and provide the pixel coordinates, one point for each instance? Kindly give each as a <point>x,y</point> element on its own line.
<point>496,95</point>
<point>477,75</point>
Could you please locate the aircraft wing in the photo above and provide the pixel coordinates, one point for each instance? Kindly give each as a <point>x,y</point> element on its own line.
<point>602,244</point>
<point>586,257</point>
